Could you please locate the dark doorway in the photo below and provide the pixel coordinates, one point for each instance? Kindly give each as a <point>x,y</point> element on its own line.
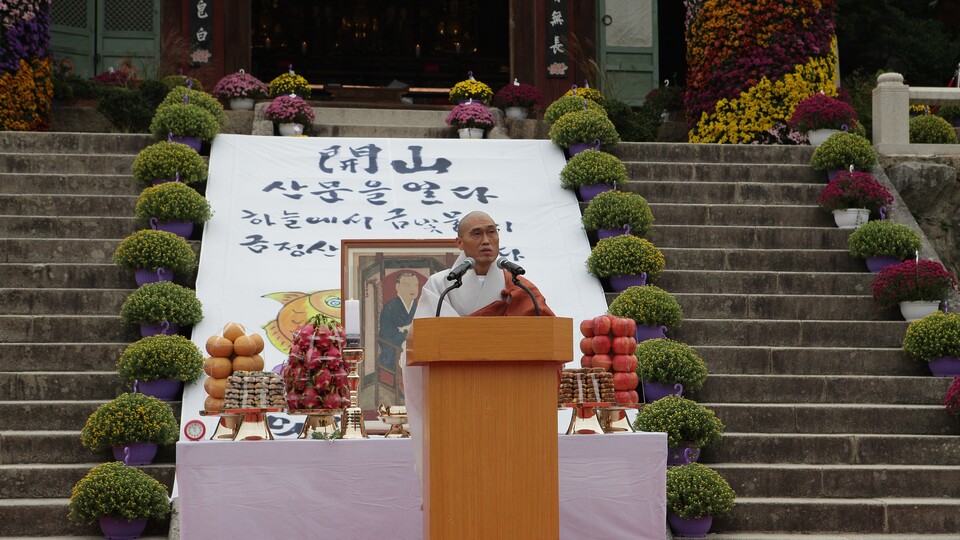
<point>423,43</point>
<point>673,42</point>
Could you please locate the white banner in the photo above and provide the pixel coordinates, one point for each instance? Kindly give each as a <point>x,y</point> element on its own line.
<point>282,205</point>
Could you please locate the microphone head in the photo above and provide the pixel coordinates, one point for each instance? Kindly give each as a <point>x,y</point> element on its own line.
<point>471,262</point>
<point>501,264</point>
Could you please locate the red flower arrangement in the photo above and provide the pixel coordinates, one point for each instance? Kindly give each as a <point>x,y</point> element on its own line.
<point>952,400</point>
<point>912,281</point>
<point>315,376</point>
<point>117,77</point>
<point>821,111</point>
<point>854,190</point>
<point>518,95</point>
<point>471,115</point>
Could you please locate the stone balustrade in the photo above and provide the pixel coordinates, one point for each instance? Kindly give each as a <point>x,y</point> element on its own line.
<point>891,115</point>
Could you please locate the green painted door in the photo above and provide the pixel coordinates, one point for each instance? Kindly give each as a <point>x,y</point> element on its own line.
<point>627,48</point>
<point>95,35</point>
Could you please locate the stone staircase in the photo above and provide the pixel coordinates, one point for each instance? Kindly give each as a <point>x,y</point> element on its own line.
<point>65,202</point>
<point>830,429</point>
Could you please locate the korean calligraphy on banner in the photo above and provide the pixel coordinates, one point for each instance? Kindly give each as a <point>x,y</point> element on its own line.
<point>271,254</point>
<point>557,57</point>
<point>201,25</point>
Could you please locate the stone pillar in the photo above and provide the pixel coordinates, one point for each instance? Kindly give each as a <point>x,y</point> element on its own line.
<point>891,110</point>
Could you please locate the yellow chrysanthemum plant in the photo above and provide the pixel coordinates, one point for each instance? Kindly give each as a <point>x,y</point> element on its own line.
<point>152,250</point>
<point>567,104</point>
<point>584,127</point>
<point>161,357</point>
<point>114,491</point>
<point>471,89</point>
<point>290,83</point>
<point>167,161</point>
<point>130,418</point>
<point>586,92</point>
<point>648,305</point>
<point>171,202</point>
<point>621,258</point>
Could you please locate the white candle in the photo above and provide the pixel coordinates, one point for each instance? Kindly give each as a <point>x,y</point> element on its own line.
<point>351,317</point>
<point>418,50</point>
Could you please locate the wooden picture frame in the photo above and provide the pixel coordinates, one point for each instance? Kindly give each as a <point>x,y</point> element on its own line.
<point>379,273</point>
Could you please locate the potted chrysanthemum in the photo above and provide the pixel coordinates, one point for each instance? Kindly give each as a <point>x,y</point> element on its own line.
<point>518,99</point>
<point>695,495</point>
<point>240,90</point>
<point>820,116</point>
<point>580,130</point>
<point>613,213</point>
<point>653,309</point>
<point>935,339</point>
<point>883,243</point>
<point>930,129</point>
<point>841,151</point>
<point>290,83</point>
<point>133,425</point>
<point>470,119</point>
<point>167,162</point>
<point>470,89</point>
<point>173,207</point>
<point>567,104</point>
<point>586,92</point>
<point>155,256</point>
<point>626,261</point>
<point>917,287</point>
<point>666,367</point>
<point>120,498</point>
<point>161,308</point>
<point>291,113</point>
<point>689,426</point>
<point>593,172</point>
<point>852,197</point>
<point>159,365</point>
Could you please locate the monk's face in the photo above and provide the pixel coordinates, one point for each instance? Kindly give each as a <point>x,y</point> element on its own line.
<point>479,239</point>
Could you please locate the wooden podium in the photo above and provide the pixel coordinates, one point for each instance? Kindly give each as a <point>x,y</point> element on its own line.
<point>490,425</point>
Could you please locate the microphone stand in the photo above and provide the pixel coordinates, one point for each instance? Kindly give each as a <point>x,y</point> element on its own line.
<point>516,281</point>
<point>455,285</point>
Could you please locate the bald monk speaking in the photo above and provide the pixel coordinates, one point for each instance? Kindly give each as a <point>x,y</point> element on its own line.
<point>486,291</point>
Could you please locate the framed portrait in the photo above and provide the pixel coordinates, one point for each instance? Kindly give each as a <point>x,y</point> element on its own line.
<point>386,277</point>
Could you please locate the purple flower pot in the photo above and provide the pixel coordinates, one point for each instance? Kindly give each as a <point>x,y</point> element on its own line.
<point>576,148</point>
<point>122,529</point>
<point>690,527</point>
<point>192,142</point>
<point>610,233</point>
<point>653,391</point>
<point>879,262</point>
<point>588,192</point>
<point>683,455</point>
<point>159,181</point>
<point>645,332</point>
<point>137,453</point>
<point>182,229</point>
<point>144,276</point>
<point>945,366</point>
<point>162,327</point>
<point>622,283</point>
<point>162,389</point>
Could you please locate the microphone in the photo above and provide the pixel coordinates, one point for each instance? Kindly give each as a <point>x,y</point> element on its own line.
<point>511,267</point>
<point>461,269</point>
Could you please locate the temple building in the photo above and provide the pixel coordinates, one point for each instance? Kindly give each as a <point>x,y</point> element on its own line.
<point>627,47</point>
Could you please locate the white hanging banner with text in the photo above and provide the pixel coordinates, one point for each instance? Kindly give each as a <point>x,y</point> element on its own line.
<point>282,205</point>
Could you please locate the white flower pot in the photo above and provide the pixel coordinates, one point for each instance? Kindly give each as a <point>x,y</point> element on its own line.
<point>517,113</point>
<point>919,309</point>
<point>241,104</point>
<point>470,133</point>
<point>290,129</point>
<point>851,218</point>
<point>817,136</point>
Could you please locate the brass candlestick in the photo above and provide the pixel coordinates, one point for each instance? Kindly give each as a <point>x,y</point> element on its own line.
<point>352,425</point>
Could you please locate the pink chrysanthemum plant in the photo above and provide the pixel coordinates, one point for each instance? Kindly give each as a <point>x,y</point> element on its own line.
<point>517,94</point>
<point>952,400</point>
<point>289,109</point>
<point>821,111</point>
<point>470,115</point>
<point>926,280</point>
<point>854,190</point>
<point>240,85</point>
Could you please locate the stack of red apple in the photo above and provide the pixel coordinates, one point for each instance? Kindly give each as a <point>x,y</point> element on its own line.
<point>609,343</point>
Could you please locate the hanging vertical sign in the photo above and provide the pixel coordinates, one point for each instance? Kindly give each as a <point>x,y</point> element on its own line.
<point>201,24</point>
<point>557,57</point>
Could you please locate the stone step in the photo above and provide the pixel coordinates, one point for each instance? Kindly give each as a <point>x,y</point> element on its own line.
<point>836,418</point>
<point>713,153</point>
<point>766,282</point>
<point>63,301</point>
<point>38,142</point>
<point>810,360</point>
<point>868,515</point>
<point>102,163</point>
<point>44,447</point>
<point>66,415</point>
<point>69,184</point>
<point>748,237</point>
<point>358,116</point>
<point>52,328</point>
<point>814,448</point>
<point>791,333</point>
<point>68,205</point>
<point>737,388</point>
<point>61,385</point>
<point>799,307</point>
<point>54,250</point>
<point>725,192</point>
<point>762,260</point>
<point>394,132</point>
<point>48,480</point>
<point>47,517</point>
<point>758,215</point>
<point>66,275</point>
<point>841,481</point>
<point>770,173</point>
<point>92,227</point>
<point>30,357</point>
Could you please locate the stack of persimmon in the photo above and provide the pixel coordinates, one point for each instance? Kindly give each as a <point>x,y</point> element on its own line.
<point>609,343</point>
<point>234,350</point>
